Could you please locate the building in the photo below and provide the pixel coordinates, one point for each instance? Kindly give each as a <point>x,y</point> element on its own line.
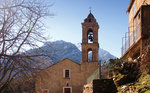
<point>68,76</point>
<point>137,39</point>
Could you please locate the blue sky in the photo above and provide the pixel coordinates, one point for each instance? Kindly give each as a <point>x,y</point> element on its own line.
<point>69,14</point>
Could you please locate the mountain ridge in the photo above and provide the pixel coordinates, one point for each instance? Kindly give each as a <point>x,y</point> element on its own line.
<point>61,49</point>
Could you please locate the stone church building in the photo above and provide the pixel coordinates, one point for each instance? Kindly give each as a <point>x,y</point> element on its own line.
<point>67,76</point>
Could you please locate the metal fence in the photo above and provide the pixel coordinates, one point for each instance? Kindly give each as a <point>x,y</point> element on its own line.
<point>93,76</point>
<point>132,38</point>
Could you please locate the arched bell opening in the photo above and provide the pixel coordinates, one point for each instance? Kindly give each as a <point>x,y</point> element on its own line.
<point>90,55</point>
<point>90,36</point>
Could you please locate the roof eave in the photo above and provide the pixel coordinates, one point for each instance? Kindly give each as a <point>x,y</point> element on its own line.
<point>130,5</point>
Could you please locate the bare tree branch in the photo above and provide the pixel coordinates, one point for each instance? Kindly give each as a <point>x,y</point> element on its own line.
<point>20,29</point>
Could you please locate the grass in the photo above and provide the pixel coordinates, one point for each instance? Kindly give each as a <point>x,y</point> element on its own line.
<point>118,76</point>
<point>143,84</point>
<point>140,86</point>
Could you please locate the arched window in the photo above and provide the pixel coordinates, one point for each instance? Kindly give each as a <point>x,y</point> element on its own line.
<point>90,55</point>
<point>90,36</point>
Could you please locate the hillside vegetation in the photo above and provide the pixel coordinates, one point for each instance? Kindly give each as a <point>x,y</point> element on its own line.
<point>130,77</point>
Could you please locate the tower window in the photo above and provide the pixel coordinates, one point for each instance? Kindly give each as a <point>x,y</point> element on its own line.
<point>90,55</point>
<point>90,36</point>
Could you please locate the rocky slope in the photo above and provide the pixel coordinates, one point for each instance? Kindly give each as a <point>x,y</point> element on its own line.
<point>131,77</point>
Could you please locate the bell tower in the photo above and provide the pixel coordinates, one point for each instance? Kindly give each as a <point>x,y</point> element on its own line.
<point>90,43</point>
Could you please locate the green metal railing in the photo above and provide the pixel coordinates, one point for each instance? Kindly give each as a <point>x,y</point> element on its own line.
<point>95,75</point>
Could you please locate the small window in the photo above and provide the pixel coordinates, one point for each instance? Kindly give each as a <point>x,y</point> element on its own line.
<point>45,91</point>
<point>139,16</point>
<point>67,83</point>
<point>90,20</point>
<point>67,73</point>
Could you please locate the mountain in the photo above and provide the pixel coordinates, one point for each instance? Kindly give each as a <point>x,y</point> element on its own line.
<point>61,49</point>
<point>105,55</point>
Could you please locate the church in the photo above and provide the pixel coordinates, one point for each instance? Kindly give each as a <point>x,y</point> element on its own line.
<point>67,76</point>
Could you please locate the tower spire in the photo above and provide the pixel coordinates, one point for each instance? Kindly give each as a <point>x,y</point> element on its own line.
<point>90,9</point>
<point>90,43</point>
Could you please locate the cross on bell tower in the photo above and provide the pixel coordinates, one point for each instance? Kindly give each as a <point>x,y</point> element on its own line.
<point>90,43</point>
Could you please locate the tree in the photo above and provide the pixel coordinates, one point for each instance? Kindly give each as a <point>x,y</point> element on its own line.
<point>21,28</point>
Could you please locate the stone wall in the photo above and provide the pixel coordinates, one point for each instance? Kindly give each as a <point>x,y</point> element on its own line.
<point>88,88</point>
<point>145,28</point>
<point>104,86</point>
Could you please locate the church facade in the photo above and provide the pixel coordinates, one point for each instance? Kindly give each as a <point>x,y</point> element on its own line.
<point>67,76</point>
